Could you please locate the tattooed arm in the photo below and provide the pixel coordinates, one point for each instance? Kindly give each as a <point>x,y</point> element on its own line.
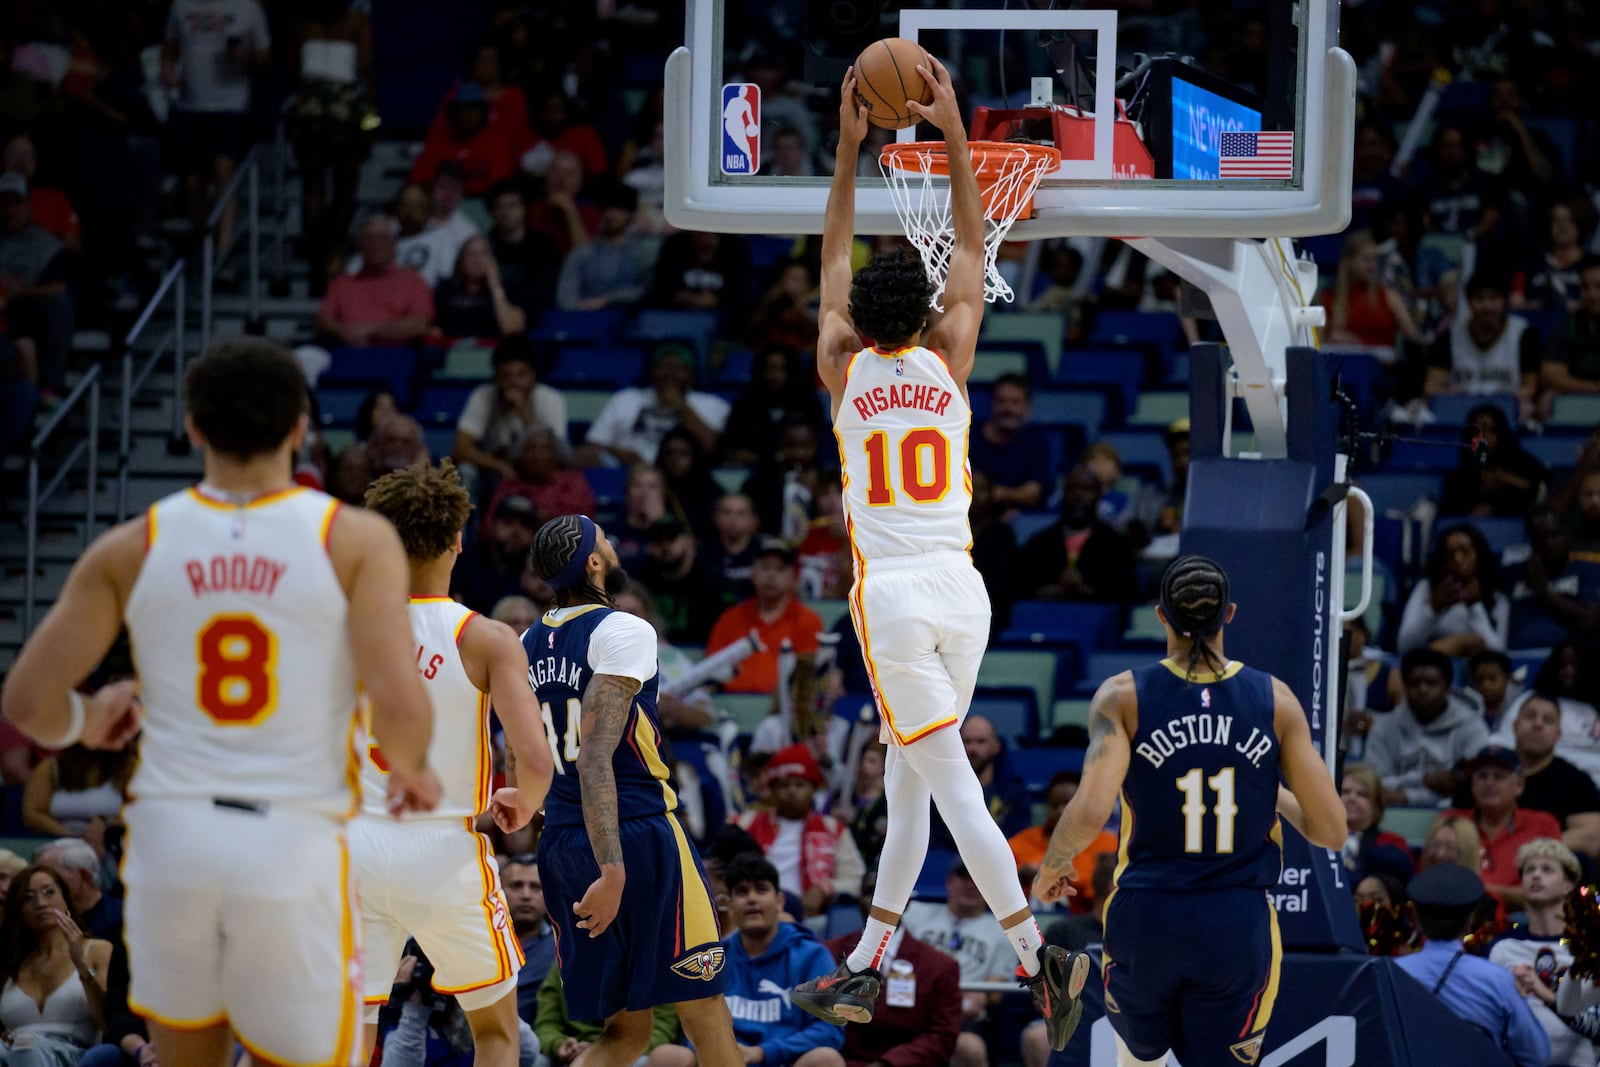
<point>1104,766</point>
<point>606,705</point>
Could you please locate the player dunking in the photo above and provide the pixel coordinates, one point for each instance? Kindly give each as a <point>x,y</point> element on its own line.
<point>902,417</point>
<point>432,876</point>
<point>643,931</point>
<point>1195,745</point>
<point>254,608</point>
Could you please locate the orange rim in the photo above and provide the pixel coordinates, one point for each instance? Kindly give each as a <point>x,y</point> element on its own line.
<point>990,161</point>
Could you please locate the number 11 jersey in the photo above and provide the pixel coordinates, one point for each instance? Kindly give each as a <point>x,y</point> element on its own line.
<point>903,426</point>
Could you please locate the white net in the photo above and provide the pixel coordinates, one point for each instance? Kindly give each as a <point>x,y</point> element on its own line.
<point>1008,175</point>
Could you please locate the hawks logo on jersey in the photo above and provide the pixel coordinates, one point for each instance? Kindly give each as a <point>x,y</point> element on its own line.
<point>704,965</point>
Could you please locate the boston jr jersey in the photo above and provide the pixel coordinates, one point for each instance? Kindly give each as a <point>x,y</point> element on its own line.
<point>566,649</point>
<point>1199,803</point>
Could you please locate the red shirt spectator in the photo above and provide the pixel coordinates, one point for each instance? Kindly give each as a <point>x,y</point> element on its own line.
<point>554,131</point>
<point>774,614</point>
<point>381,303</point>
<point>51,210</point>
<point>560,214</point>
<point>1503,827</point>
<point>468,140</point>
<point>508,105</point>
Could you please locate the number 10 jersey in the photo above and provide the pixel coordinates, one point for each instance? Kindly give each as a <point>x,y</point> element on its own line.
<point>903,425</point>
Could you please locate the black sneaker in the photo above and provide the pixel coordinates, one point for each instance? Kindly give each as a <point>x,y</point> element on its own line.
<point>841,996</point>
<point>1057,990</point>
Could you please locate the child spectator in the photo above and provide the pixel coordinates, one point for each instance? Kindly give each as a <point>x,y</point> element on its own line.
<point>1489,676</point>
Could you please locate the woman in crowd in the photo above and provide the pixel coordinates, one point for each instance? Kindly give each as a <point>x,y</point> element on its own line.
<point>472,302</point>
<point>1505,481</point>
<point>690,486</point>
<point>72,790</point>
<point>1362,793</point>
<point>1458,608</point>
<point>1452,839</point>
<point>52,976</point>
<point>780,388</point>
<point>1362,310</point>
<point>1550,283</point>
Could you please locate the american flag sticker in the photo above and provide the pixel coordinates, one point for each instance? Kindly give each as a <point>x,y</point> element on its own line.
<point>1256,155</point>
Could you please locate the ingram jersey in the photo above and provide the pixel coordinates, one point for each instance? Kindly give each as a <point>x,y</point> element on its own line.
<point>239,633</point>
<point>566,649</point>
<point>1200,800</point>
<point>459,750</point>
<point>903,425</point>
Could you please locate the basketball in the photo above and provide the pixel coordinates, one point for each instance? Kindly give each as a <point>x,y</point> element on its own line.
<point>886,77</point>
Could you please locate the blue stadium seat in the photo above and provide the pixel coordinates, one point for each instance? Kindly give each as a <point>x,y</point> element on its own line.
<point>1144,454</point>
<point>1059,408</point>
<point>581,327</point>
<point>1452,410</point>
<point>441,440</point>
<point>339,404</point>
<point>765,251</point>
<point>1102,665</point>
<point>440,405</point>
<point>598,368</point>
<point>1088,626</point>
<point>1398,490</point>
<point>697,328</point>
<point>930,882</point>
<point>608,485</point>
<point>374,368</point>
<point>1013,716</point>
<point>1118,369</point>
<point>1423,456</point>
<point>1157,332</point>
<point>1556,453</point>
<point>1359,374</point>
<point>736,368</point>
<point>1028,523</point>
<point>1036,766</point>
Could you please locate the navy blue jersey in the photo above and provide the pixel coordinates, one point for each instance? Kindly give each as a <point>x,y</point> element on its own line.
<point>1199,803</point>
<point>562,659</point>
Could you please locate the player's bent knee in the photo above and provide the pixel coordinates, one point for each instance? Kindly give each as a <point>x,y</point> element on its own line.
<point>970,1051</point>
<point>671,1056</point>
<point>496,1024</point>
<point>629,1032</point>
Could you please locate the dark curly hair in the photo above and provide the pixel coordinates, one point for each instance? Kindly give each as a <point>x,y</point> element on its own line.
<point>428,506</point>
<point>889,298</point>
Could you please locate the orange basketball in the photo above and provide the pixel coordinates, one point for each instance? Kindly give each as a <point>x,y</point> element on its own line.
<point>886,77</point>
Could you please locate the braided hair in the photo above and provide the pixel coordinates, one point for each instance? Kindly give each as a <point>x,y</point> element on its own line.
<point>1194,597</point>
<point>554,547</point>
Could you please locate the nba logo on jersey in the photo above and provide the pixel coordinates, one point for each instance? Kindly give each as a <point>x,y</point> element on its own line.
<point>552,639</point>
<point>1205,697</point>
<point>900,367</point>
<point>741,128</point>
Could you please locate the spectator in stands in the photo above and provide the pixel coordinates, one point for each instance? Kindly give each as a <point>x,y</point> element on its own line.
<point>563,1038</point>
<point>631,426</point>
<point>1503,826</point>
<point>450,225</point>
<point>498,417</point>
<point>1582,515</point>
<point>1103,461</point>
<point>994,553</point>
<point>866,807</point>
<point>1487,351</point>
<point>826,569</point>
<point>541,476</point>
<point>375,407</point>
<point>519,875</point>
<point>507,115</point>
<point>614,268</point>
<point>1456,197</point>
<point>1013,453</point>
<point>1004,792</point>
<point>682,579</point>
<point>698,271</point>
<point>382,303</point>
<point>787,314</point>
<point>1368,845</point>
<point>1551,783</point>
<point>554,132</point>
<point>79,865</point>
<point>918,1016</point>
<point>396,442</point>
<point>1458,608</point>
<point>641,163</point>
<point>1361,309</point>
<point>1079,557</point>
<point>1570,676</point>
<point>559,213</point>
<point>734,519</point>
<point>1489,676</point>
<point>210,50</point>
<point>528,258</point>
<point>468,140</point>
<point>1029,846</point>
<point>1573,363</point>
<point>777,616</point>
<point>1372,184</point>
<point>815,855</point>
<point>1524,162</point>
<point>1445,898</point>
<point>1494,475</point>
<point>421,246</point>
<point>784,488</point>
<point>497,565</point>
<point>1416,748</point>
<point>1451,839</point>
<point>963,927</point>
<point>1552,594</point>
<point>679,711</point>
<point>687,470</point>
<point>41,954</point>
<point>1158,510</point>
<point>780,391</point>
<point>473,302</point>
<point>74,788</point>
<point>49,208</point>
<point>644,502</point>
<point>1536,953</point>
<point>517,612</point>
<point>1551,282</point>
<point>33,284</point>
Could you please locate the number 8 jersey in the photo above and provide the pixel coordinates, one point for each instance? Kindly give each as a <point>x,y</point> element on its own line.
<point>240,638</point>
<point>903,425</point>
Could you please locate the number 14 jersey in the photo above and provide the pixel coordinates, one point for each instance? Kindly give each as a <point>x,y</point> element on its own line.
<point>903,425</point>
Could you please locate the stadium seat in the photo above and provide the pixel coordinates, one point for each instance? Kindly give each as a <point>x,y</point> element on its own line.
<point>440,405</point>
<point>1159,409</point>
<point>829,611</point>
<point>1117,369</point>
<point>608,484</point>
<point>441,440</point>
<point>697,328</point>
<point>1036,766</point>
<point>1020,669</point>
<point>1556,453</point>
<point>339,440</point>
<point>390,367</point>
<point>1410,823</point>
<point>1144,629</point>
<point>1012,716</point>
<point>1452,410</point>
<point>1103,665</point>
<point>842,919</point>
<point>598,368</point>
<point>1044,329</point>
<point>765,252</point>
<point>1156,332</point>
<point>1058,408</point>
<point>466,363</point>
<point>1028,523</point>
<point>930,882</point>
<point>1069,712</point>
<point>1049,622</point>
<point>730,479</point>
<point>1425,455</point>
<point>1575,412</point>
<point>735,368</point>
<point>1398,490</point>
<point>581,327</point>
<point>990,364</point>
<point>583,405</point>
<point>339,404</point>
<point>746,709</point>
<point>1144,454</point>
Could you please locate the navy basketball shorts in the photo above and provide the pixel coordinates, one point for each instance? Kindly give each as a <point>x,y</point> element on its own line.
<point>662,947</point>
<point>1195,973</point>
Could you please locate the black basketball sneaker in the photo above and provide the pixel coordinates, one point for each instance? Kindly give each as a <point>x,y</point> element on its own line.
<point>842,996</point>
<point>1057,990</point>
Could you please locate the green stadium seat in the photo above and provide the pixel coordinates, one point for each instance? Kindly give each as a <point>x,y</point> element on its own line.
<point>1069,713</point>
<point>583,405</point>
<point>1159,409</point>
<point>730,479</point>
<point>1410,823</point>
<point>1020,669</point>
<point>1144,627</point>
<point>1575,412</point>
<point>467,363</point>
<point>830,611</point>
<point>338,440</point>
<point>990,365</point>
<point>1043,328</point>
<point>746,709</point>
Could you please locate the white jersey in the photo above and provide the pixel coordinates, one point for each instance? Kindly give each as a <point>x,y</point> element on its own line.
<point>238,627</point>
<point>459,751</point>
<point>903,426</point>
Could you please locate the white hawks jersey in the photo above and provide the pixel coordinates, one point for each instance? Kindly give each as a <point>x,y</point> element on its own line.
<point>903,426</point>
<point>459,751</point>
<point>238,627</point>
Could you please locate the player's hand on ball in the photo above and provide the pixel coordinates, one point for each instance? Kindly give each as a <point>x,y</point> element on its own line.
<point>598,908</point>
<point>852,111</point>
<point>511,810</point>
<point>414,792</point>
<point>113,716</point>
<point>943,112</point>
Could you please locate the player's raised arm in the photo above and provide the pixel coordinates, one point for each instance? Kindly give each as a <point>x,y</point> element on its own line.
<point>39,697</point>
<point>1105,765</point>
<point>529,763</point>
<point>371,564</point>
<point>1318,812</point>
<point>955,335</point>
<point>837,339</point>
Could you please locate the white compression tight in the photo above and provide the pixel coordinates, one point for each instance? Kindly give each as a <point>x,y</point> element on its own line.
<point>936,768</point>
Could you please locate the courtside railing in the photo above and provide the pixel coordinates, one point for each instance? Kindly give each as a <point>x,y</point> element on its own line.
<point>246,182</point>
<point>172,291</point>
<point>85,393</point>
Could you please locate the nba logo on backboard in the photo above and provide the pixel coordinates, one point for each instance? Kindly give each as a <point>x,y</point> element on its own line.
<point>741,128</point>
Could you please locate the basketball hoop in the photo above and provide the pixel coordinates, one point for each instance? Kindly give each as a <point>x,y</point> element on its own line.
<point>1007,172</point>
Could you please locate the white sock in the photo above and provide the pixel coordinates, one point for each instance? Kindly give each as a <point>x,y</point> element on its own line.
<point>869,950</point>
<point>1026,939</point>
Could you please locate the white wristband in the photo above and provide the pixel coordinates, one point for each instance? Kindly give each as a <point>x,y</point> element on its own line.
<point>74,728</point>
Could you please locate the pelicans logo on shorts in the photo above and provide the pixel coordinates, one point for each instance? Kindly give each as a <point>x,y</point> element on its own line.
<point>704,965</point>
<point>1247,1052</point>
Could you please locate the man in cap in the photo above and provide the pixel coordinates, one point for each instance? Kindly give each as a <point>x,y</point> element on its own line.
<point>1445,896</point>
<point>777,615</point>
<point>1496,777</point>
<point>816,857</point>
